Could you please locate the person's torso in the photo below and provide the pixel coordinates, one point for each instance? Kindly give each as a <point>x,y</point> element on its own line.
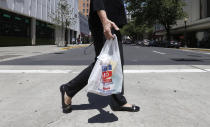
<point>115,12</point>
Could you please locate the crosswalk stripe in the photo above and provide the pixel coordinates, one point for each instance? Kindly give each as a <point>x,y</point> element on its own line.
<point>164,71</point>
<point>125,71</point>
<point>162,53</point>
<point>35,71</point>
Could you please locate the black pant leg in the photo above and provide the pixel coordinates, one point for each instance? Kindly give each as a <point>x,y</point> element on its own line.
<point>81,80</point>
<point>119,99</point>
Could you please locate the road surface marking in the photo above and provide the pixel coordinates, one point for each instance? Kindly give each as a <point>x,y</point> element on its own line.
<point>75,72</point>
<point>125,71</point>
<point>163,71</point>
<point>206,53</point>
<point>162,53</point>
<point>36,71</point>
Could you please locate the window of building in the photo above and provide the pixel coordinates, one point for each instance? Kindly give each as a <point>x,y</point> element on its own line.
<point>204,9</point>
<point>14,25</point>
<point>6,16</point>
<point>208,8</point>
<point>87,5</point>
<point>17,18</point>
<point>87,11</point>
<point>44,33</point>
<point>83,5</point>
<point>26,21</point>
<point>14,28</point>
<point>83,11</point>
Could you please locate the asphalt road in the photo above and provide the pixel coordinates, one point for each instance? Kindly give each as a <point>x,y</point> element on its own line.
<point>133,55</point>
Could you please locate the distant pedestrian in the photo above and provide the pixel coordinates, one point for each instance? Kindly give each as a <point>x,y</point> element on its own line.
<point>74,40</point>
<point>105,19</point>
<point>78,40</point>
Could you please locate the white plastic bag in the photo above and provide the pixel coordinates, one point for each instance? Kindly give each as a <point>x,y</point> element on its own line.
<point>107,76</point>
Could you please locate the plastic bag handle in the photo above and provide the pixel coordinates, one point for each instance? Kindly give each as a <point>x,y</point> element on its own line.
<point>110,45</point>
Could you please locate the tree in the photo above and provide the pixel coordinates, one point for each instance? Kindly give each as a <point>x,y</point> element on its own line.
<point>136,31</point>
<point>63,18</point>
<point>164,12</point>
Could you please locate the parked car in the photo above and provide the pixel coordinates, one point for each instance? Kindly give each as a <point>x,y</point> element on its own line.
<point>177,44</point>
<point>153,43</point>
<point>146,42</point>
<point>156,43</point>
<point>169,44</point>
<point>162,43</point>
<point>172,44</point>
<point>127,41</point>
<point>150,43</point>
<point>140,43</point>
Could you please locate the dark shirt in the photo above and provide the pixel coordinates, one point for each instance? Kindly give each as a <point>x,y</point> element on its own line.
<point>114,9</point>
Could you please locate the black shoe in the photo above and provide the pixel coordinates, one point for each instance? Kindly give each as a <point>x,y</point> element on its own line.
<point>128,109</point>
<point>66,108</point>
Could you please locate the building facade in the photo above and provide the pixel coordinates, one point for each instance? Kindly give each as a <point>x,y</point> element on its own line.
<point>27,22</point>
<point>84,6</point>
<point>84,29</point>
<point>195,29</point>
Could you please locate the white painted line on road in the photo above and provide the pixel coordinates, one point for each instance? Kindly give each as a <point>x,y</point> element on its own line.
<point>207,53</point>
<point>198,52</point>
<point>164,71</point>
<point>36,71</point>
<point>76,72</point>
<point>125,71</point>
<point>162,53</point>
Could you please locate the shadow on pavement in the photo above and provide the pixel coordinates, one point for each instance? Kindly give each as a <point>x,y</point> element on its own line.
<point>97,102</point>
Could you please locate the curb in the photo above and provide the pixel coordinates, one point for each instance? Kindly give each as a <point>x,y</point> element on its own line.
<point>58,49</point>
<point>77,46</point>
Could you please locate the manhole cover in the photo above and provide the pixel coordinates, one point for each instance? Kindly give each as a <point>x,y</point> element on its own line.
<point>186,59</point>
<point>36,52</point>
<point>8,56</point>
<point>194,55</point>
<point>58,53</point>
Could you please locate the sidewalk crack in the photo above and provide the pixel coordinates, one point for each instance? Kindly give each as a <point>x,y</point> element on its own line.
<point>199,68</point>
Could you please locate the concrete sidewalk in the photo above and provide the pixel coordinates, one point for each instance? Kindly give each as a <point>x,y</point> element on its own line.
<point>16,52</point>
<point>166,99</point>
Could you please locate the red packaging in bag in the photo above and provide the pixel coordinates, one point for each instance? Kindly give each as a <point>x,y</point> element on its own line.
<point>107,74</point>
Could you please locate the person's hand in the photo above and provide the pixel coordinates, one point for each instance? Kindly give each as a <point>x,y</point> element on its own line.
<point>108,25</point>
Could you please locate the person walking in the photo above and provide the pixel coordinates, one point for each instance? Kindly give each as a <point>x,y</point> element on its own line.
<point>105,19</point>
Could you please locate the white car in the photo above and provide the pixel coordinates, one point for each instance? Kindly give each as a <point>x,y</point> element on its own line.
<point>146,42</point>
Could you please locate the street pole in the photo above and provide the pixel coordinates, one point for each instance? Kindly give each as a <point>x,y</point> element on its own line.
<point>185,32</point>
<point>33,31</point>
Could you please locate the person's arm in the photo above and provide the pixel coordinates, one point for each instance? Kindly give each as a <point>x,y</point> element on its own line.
<point>98,6</point>
<point>107,24</point>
